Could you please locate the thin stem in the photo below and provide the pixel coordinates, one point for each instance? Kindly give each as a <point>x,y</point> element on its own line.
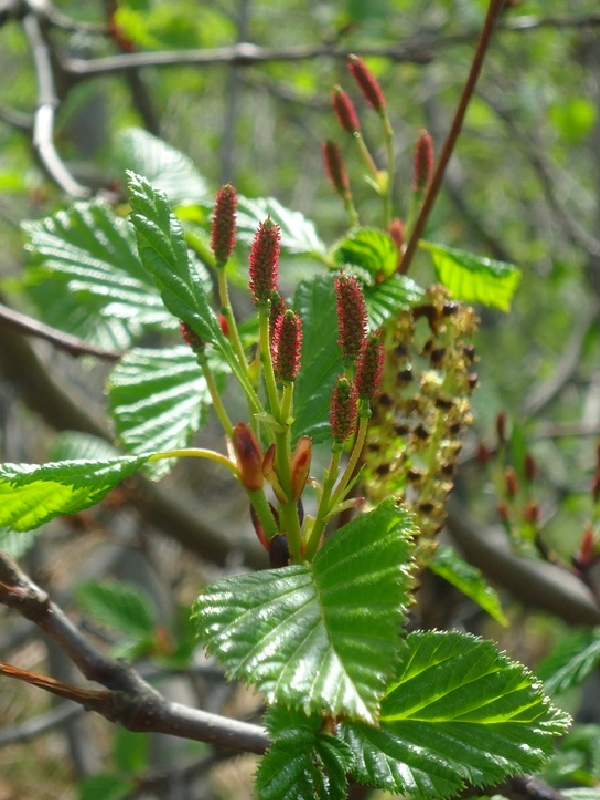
<point>265,358</point>
<point>197,452</point>
<point>448,148</point>
<point>227,311</point>
<point>352,461</point>
<point>215,396</point>
<point>324,506</point>
<point>391,166</point>
<point>367,158</point>
<point>263,512</point>
<point>290,523</point>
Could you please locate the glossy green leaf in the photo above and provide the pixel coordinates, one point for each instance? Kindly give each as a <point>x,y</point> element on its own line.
<point>385,299</point>
<point>475,279</point>
<point>301,762</point>
<point>31,495</point>
<point>323,637</point>
<point>158,399</point>
<point>88,279</point>
<point>298,234</point>
<point>571,662</point>
<point>321,360</point>
<point>449,565</point>
<point>459,712</point>
<point>166,169</point>
<point>368,249</point>
<point>122,606</point>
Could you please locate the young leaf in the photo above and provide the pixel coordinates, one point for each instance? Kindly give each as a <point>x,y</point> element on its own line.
<point>31,495</point>
<point>458,712</point>
<point>448,564</point>
<point>570,663</point>
<point>474,278</point>
<point>385,299</point>
<point>301,762</point>
<point>167,169</point>
<point>321,357</point>
<point>323,637</point>
<point>89,280</point>
<point>163,252</point>
<point>368,249</point>
<point>158,399</point>
<point>118,605</point>
<point>298,234</point>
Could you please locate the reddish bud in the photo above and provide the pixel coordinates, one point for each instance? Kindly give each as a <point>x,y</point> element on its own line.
<point>222,240</point>
<point>367,83</point>
<point>483,454</point>
<point>503,512</point>
<point>248,456</point>
<point>501,427</point>
<point>351,314</point>
<point>223,324</point>
<point>511,482</point>
<point>287,346</point>
<point>260,533</point>
<point>586,547</point>
<point>596,486</point>
<point>369,368</point>
<point>396,230</point>
<point>334,168</point>
<point>122,41</point>
<point>344,110</point>
<point>268,468</point>
<point>277,308</point>
<point>423,162</point>
<point>530,468</point>
<point>264,262</point>
<point>532,514</point>
<point>342,415</point>
<point>190,337</point>
<point>300,465</point>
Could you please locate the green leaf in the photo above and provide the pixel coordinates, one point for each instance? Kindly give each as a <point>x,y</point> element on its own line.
<point>368,249</point>
<point>449,565</point>
<point>323,637</point>
<point>298,234</point>
<point>572,662</point>
<point>163,252</point>
<point>31,494</point>
<point>104,787</point>
<point>459,712</point>
<point>89,280</point>
<point>158,399</point>
<point>167,169</point>
<point>301,762</point>
<point>385,299</point>
<point>474,278</point>
<point>75,446</point>
<point>131,751</point>
<point>321,358</point>
<point>122,606</point>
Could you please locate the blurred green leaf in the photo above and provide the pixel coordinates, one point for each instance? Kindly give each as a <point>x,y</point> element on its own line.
<point>449,565</point>
<point>385,299</point>
<point>571,662</point>
<point>573,118</point>
<point>104,787</point>
<point>122,606</point>
<point>298,234</point>
<point>475,279</point>
<point>166,169</point>
<point>368,249</point>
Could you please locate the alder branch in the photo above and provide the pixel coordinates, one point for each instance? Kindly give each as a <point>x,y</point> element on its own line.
<point>128,699</point>
<point>534,583</point>
<point>43,121</point>
<point>63,341</point>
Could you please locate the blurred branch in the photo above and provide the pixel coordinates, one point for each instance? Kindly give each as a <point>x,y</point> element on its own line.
<point>420,50</point>
<point>47,102</point>
<point>534,583</point>
<point>63,341</point>
<point>128,699</point>
<point>37,726</point>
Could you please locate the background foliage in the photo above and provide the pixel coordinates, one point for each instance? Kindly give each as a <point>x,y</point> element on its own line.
<point>523,187</point>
